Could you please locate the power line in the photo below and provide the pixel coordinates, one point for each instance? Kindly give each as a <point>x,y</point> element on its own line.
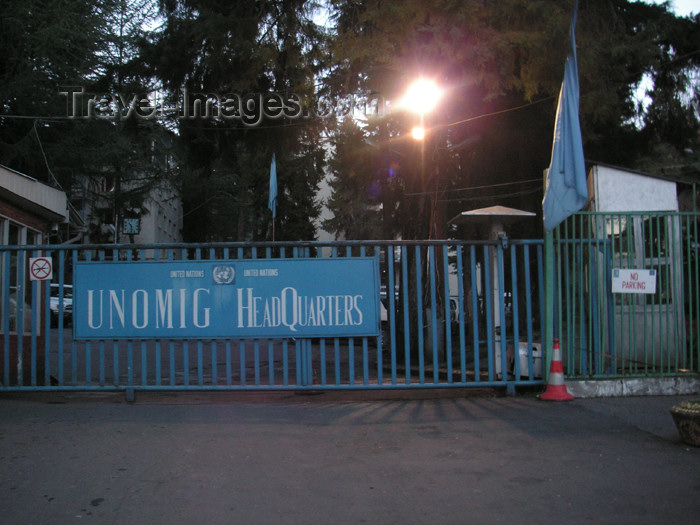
<point>290,123</point>
<point>494,196</point>
<point>46,160</point>
<point>475,187</point>
<point>41,117</point>
<point>501,111</point>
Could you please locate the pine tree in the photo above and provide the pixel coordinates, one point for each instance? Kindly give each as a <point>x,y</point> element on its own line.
<point>44,46</point>
<point>69,90</point>
<point>240,52</point>
<point>132,155</point>
<point>500,65</point>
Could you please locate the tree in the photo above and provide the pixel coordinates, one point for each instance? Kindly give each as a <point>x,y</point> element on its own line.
<point>501,65</point>
<point>133,149</point>
<point>359,186</point>
<point>43,46</point>
<point>232,59</point>
<point>74,114</point>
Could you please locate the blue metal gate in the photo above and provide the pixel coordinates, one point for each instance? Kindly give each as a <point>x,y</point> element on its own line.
<point>454,314</point>
<point>619,333</point>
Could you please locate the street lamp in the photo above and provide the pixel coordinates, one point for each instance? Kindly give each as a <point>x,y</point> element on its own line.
<point>421,97</point>
<point>418,132</point>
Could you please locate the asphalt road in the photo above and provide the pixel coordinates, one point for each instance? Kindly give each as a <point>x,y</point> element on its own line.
<point>237,459</point>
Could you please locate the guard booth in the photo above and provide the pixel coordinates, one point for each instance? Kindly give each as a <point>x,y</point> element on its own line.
<point>644,245</point>
<point>496,286</point>
<point>620,278</point>
<point>29,210</point>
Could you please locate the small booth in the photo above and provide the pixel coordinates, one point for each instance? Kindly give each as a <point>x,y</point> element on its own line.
<point>642,238</point>
<point>492,224</point>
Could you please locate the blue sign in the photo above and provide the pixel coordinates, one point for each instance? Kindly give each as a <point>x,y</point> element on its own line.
<point>255,298</point>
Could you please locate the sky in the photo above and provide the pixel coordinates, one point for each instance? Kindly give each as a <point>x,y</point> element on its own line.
<point>682,7</point>
<point>686,7</point>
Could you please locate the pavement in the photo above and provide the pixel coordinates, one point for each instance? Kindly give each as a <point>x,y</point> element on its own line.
<point>234,458</point>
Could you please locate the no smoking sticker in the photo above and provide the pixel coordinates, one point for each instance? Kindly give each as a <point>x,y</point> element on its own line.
<point>40,268</point>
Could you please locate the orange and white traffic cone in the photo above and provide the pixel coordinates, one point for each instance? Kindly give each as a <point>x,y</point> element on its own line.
<point>556,389</point>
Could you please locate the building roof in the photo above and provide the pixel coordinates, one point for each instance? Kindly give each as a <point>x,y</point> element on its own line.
<point>490,213</point>
<point>36,197</point>
<point>689,175</point>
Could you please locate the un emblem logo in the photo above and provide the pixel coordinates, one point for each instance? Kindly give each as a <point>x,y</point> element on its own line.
<point>224,274</point>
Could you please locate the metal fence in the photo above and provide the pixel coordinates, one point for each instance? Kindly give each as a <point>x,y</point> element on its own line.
<point>640,331</point>
<point>454,314</point>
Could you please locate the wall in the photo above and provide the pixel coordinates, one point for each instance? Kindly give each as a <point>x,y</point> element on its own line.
<point>616,190</point>
<point>23,217</point>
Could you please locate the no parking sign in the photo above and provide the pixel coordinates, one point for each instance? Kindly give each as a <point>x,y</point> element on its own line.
<point>40,268</point>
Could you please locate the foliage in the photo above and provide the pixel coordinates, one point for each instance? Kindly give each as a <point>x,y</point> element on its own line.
<point>501,65</point>
<point>248,47</point>
<point>43,45</point>
<point>82,57</point>
<point>134,150</point>
<point>354,187</point>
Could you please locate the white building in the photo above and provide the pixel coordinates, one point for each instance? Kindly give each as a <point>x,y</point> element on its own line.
<point>161,221</point>
<point>639,237</point>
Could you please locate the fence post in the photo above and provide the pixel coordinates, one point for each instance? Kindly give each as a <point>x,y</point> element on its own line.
<point>548,301</point>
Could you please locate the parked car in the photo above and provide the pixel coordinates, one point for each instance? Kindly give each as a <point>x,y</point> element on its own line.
<point>67,304</point>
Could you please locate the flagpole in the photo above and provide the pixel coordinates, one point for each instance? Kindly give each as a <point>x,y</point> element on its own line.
<point>272,198</point>
<point>548,300</point>
<point>565,188</point>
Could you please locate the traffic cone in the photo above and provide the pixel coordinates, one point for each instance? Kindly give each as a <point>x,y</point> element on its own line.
<point>556,389</point>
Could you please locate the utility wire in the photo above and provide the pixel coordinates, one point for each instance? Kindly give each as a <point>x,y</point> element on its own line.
<point>501,112</point>
<point>494,196</point>
<point>46,161</point>
<point>304,119</point>
<point>475,187</point>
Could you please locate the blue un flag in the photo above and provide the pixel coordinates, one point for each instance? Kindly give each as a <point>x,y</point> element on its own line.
<point>272,201</point>
<point>566,191</point>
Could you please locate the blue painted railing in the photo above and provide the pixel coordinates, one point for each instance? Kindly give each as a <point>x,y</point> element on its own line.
<point>444,324</point>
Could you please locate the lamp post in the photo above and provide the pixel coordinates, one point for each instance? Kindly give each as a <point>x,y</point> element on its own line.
<point>421,97</point>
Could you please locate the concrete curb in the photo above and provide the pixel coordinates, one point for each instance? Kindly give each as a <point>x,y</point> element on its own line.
<point>667,386</point>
